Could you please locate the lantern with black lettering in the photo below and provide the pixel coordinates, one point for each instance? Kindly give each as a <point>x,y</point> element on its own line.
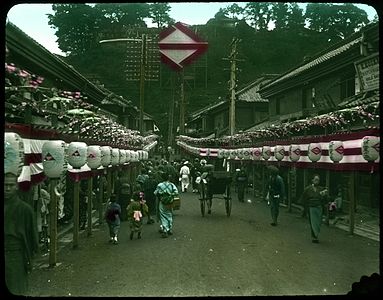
<point>370,148</point>
<point>94,157</point>
<point>295,153</point>
<point>279,152</point>
<point>266,152</point>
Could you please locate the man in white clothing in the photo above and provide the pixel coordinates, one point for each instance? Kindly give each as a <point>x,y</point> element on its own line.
<point>184,175</point>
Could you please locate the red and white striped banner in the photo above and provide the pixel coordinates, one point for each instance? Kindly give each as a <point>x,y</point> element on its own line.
<point>351,149</point>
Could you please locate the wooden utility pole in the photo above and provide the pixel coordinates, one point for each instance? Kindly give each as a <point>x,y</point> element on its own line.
<point>171,112</point>
<point>182,103</point>
<point>90,196</point>
<point>233,69</point>
<point>142,81</point>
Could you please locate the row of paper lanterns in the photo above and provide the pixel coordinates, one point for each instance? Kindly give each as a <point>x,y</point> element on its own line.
<point>57,154</point>
<point>369,148</point>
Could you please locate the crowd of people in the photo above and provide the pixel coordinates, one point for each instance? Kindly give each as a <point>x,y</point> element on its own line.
<point>151,195</point>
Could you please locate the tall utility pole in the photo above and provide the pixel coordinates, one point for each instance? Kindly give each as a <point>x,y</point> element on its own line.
<point>233,69</point>
<point>171,111</point>
<point>182,104</point>
<point>142,82</point>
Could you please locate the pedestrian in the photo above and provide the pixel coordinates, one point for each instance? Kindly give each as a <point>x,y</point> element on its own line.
<point>315,197</point>
<point>241,180</point>
<point>276,193</point>
<point>20,237</point>
<point>142,177</point>
<point>124,195</point>
<point>136,210</point>
<point>165,192</point>
<point>194,174</point>
<point>112,218</point>
<point>149,188</point>
<point>184,177</point>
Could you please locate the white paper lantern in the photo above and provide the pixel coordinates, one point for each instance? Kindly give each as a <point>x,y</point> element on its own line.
<point>13,153</point>
<point>240,153</point>
<point>146,155</point>
<point>94,157</point>
<point>315,152</point>
<point>136,156</point>
<point>226,153</point>
<point>77,154</point>
<point>54,158</point>
<point>256,153</point>
<point>122,158</point>
<point>106,155</point>
<point>115,156</point>
<point>370,148</point>
<point>279,152</point>
<point>220,153</point>
<point>336,150</point>
<point>128,156</point>
<point>266,152</point>
<point>295,153</point>
<point>247,153</point>
<point>233,153</point>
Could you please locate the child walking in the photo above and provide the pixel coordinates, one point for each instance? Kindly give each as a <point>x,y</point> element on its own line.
<point>136,210</point>
<point>112,217</point>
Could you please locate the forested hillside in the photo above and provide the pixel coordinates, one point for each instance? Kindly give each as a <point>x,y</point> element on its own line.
<point>263,50</point>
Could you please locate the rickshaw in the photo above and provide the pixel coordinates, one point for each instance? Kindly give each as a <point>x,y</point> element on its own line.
<point>214,184</point>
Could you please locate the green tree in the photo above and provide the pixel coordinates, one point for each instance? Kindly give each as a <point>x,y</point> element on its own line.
<point>75,26</point>
<point>124,14</point>
<point>295,19</point>
<point>159,13</point>
<point>259,14</point>
<point>235,10</point>
<point>279,14</point>
<point>338,21</point>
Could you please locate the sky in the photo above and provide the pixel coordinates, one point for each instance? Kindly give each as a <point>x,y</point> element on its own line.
<point>33,20</point>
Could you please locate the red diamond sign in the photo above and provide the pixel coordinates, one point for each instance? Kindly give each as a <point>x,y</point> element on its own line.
<point>340,149</point>
<point>179,46</point>
<point>316,150</point>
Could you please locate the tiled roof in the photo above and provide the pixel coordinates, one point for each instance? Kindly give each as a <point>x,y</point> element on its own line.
<point>205,109</point>
<point>321,59</point>
<point>360,99</point>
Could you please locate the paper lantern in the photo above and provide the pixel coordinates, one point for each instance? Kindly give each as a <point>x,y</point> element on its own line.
<point>315,152</point>
<point>115,156</point>
<point>13,153</point>
<point>279,152</point>
<point>266,152</point>
<point>240,153</point>
<point>106,155</point>
<point>247,153</point>
<point>256,153</point>
<point>295,153</point>
<point>94,157</point>
<point>146,155</point>
<point>226,153</point>
<point>220,153</point>
<point>122,158</point>
<point>336,150</point>
<point>77,154</point>
<point>128,155</point>
<point>233,153</point>
<point>370,148</point>
<point>54,158</point>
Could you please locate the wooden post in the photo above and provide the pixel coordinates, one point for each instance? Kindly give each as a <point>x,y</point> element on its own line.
<point>109,181</point>
<point>253,164</point>
<point>171,112</point>
<point>263,181</point>
<point>182,104</point>
<point>142,82</point>
<point>328,192</point>
<point>89,206</point>
<point>351,189</point>
<point>101,200</point>
<point>289,186</point>
<point>76,213</point>
<point>53,224</point>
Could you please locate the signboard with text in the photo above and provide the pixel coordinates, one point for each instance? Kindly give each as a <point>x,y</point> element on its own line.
<point>368,72</point>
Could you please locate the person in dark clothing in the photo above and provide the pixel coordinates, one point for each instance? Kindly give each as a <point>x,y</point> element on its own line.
<point>314,198</point>
<point>112,217</point>
<point>20,237</point>
<point>241,179</point>
<point>123,198</point>
<point>276,193</point>
<point>148,188</point>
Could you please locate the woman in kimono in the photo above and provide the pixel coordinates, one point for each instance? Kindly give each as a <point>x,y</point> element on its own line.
<point>314,198</point>
<point>165,192</point>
